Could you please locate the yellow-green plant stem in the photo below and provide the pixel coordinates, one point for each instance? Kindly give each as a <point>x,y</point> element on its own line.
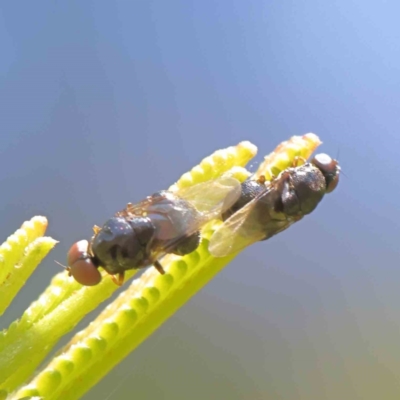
<point>20,254</point>
<point>143,307</point>
<point>64,303</point>
<point>32,339</point>
<point>124,325</point>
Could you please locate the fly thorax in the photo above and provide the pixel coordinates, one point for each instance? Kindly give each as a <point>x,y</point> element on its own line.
<point>303,190</point>
<point>249,190</point>
<point>119,245</point>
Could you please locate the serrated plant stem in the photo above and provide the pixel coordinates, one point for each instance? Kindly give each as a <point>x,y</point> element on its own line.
<point>127,323</point>
<point>143,307</point>
<point>65,302</point>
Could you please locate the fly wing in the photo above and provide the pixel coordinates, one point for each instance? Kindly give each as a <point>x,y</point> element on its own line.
<point>211,198</point>
<point>137,209</point>
<point>256,221</point>
<point>239,231</point>
<point>207,200</point>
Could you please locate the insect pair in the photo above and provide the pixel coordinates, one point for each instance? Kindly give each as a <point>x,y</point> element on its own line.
<point>170,222</point>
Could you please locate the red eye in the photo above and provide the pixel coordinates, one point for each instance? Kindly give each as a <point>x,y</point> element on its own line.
<point>81,266</point>
<point>331,185</point>
<point>329,168</point>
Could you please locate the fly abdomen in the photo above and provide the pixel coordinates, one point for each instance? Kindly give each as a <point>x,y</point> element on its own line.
<point>187,245</point>
<point>174,217</point>
<point>249,190</point>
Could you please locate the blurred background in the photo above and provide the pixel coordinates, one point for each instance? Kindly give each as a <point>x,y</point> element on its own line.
<point>102,103</point>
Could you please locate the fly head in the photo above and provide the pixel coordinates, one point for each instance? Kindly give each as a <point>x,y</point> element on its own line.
<point>329,168</point>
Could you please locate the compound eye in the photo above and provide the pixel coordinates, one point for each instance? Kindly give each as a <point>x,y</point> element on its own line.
<point>329,168</point>
<point>332,182</point>
<point>325,163</point>
<point>81,266</point>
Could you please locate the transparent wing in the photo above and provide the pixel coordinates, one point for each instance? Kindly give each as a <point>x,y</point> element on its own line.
<point>212,197</point>
<point>209,199</point>
<point>239,231</point>
<point>256,221</point>
<point>137,209</point>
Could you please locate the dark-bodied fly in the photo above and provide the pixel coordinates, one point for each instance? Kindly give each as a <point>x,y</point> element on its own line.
<point>267,208</point>
<point>141,234</point>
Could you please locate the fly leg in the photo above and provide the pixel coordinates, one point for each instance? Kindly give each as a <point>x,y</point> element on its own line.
<point>159,267</point>
<point>298,160</point>
<point>261,179</point>
<point>96,229</point>
<point>118,279</point>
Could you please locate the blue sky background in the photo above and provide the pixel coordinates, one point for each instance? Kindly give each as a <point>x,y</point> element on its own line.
<point>102,103</point>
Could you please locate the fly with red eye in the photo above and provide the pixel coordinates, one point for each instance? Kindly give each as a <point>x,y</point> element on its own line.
<point>267,208</point>
<point>141,234</point>
<point>170,223</point>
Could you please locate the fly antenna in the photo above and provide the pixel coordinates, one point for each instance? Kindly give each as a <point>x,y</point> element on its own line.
<point>337,158</point>
<point>338,153</point>
<point>61,265</point>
